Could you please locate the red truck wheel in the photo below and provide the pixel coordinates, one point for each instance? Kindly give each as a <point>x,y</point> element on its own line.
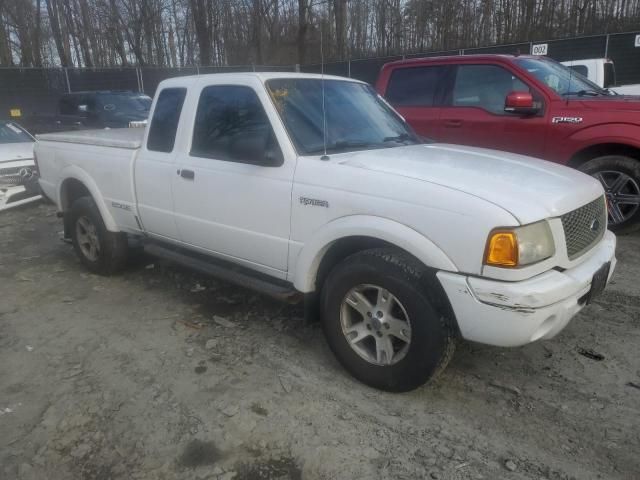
<point>620,177</point>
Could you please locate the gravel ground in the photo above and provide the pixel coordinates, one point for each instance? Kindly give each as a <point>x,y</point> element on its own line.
<point>160,373</point>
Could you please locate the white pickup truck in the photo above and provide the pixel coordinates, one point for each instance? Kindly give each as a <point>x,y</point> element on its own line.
<point>602,72</point>
<point>297,184</point>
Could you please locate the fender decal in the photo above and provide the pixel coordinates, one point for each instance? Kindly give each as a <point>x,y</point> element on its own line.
<point>566,120</point>
<point>314,202</point>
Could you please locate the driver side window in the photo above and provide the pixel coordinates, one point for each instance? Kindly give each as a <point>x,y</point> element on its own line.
<point>231,125</point>
<point>485,86</point>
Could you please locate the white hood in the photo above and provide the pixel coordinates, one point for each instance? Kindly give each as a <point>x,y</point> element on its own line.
<point>528,188</point>
<point>16,151</point>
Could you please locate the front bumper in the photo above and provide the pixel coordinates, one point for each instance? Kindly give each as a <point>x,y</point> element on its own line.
<point>18,190</point>
<point>509,314</point>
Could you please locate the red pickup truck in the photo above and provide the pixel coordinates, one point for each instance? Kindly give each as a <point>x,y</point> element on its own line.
<point>529,105</point>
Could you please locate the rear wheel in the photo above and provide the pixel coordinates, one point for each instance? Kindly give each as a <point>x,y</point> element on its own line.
<point>101,251</point>
<point>382,320</point>
<point>620,177</point>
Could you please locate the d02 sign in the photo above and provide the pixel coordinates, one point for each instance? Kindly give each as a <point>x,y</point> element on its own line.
<point>541,48</point>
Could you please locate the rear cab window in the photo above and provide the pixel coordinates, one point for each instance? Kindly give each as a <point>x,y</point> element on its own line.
<point>581,69</point>
<point>164,124</point>
<point>415,86</point>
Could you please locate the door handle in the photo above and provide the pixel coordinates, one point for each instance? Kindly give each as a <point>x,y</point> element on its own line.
<point>453,123</point>
<point>188,174</point>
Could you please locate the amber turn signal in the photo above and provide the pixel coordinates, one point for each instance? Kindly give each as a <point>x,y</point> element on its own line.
<point>502,249</point>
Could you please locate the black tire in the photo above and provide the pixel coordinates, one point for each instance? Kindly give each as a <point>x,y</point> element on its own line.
<point>433,332</point>
<point>112,254</point>
<point>622,165</point>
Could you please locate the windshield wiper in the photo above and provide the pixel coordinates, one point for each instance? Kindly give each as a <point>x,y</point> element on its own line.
<point>345,145</point>
<point>584,93</point>
<point>403,137</point>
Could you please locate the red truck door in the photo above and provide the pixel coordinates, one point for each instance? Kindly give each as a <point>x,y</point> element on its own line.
<point>473,112</point>
<point>416,93</point>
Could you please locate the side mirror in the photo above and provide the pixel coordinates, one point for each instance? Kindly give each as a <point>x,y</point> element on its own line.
<point>84,110</point>
<point>520,102</point>
<point>256,149</point>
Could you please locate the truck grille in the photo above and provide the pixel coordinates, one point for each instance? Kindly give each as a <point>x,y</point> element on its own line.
<point>584,227</point>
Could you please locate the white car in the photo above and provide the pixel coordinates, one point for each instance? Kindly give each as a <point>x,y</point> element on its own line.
<point>602,72</point>
<point>17,169</point>
<point>301,185</point>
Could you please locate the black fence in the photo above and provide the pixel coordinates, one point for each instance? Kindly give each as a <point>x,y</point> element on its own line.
<point>34,90</point>
<point>622,48</point>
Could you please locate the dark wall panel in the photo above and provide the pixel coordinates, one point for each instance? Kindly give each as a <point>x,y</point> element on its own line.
<point>152,76</point>
<point>626,57</point>
<point>333,68</point>
<point>577,48</point>
<point>30,90</point>
<point>514,49</point>
<point>446,53</point>
<point>81,79</point>
<point>368,70</point>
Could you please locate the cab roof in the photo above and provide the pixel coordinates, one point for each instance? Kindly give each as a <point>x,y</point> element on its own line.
<point>190,80</point>
<point>459,59</point>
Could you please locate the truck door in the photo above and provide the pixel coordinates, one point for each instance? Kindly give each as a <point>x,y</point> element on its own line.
<point>474,113</point>
<point>232,192</point>
<point>155,166</point>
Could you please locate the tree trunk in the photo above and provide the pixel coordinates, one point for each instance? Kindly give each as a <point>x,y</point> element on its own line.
<point>303,26</point>
<point>203,33</point>
<point>340,14</point>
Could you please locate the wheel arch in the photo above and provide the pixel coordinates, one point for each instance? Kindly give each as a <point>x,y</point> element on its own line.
<point>348,235</point>
<point>602,149</point>
<point>78,183</point>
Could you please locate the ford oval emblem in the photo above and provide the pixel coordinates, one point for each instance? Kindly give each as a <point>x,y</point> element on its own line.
<point>595,225</point>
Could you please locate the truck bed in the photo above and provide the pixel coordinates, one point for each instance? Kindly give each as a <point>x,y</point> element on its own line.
<point>127,138</point>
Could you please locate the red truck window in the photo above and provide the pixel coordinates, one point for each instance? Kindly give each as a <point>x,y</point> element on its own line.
<point>485,86</point>
<point>415,86</point>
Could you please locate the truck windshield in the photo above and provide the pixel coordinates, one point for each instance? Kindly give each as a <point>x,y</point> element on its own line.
<point>356,117</point>
<point>124,103</point>
<point>13,133</point>
<point>559,78</point>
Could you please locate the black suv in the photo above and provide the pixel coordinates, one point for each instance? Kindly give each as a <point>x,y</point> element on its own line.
<point>98,109</point>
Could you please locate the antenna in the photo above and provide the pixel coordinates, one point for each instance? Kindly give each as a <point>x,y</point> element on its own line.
<point>324,113</point>
<point>570,78</point>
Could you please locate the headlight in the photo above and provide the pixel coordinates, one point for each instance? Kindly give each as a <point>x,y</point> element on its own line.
<point>520,246</point>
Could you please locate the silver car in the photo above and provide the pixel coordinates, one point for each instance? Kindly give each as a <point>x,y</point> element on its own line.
<point>18,172</point>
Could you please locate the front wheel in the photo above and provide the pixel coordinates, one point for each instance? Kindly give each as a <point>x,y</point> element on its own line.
<point>382,321</point>
<point>620,177</point>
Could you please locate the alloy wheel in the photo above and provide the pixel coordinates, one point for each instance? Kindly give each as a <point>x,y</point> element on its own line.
<point>622,193</point>
<point>375,324</point>
<point>87,237</point>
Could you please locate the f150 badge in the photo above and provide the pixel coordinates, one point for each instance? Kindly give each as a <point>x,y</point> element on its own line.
<point>314,202</point>
<point>566,120</point>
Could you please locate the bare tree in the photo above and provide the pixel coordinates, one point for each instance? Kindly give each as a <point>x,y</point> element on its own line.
<point>218,32</point>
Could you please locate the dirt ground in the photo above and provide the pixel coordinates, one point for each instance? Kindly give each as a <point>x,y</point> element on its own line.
<point>160,373</point>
